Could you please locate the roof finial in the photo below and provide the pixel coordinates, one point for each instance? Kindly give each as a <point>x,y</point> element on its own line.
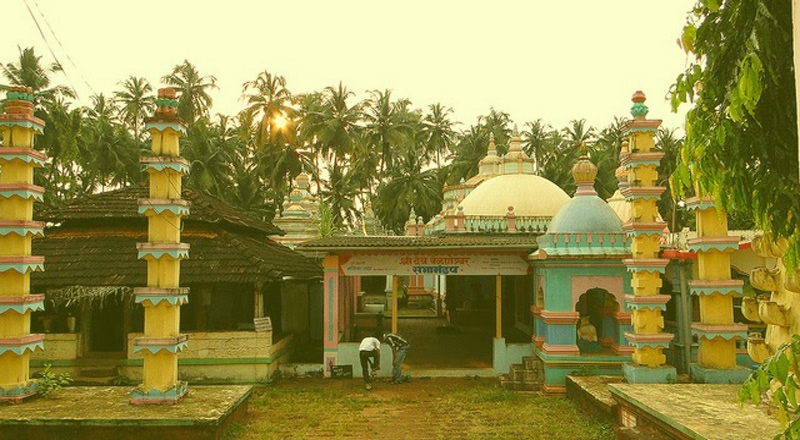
<point>639,110</point>
<point>584,172</point>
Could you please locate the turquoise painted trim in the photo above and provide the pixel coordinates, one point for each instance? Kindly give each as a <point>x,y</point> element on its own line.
<point>163,126</point>
<point>175,254</point>
<point>173,300</point>
<point>19,350</point>
<point>650,344</point>
<point>637,268</point>
<point>22,193</point>
<point>153,349</point>
<point>27,158</point>
<point>580,360</point>
<point>179,168</point>
<point>202,361</point>
<point>728,336</point>
<point>727,290</point>
<point>638,232</point>
<point>706,247</point>
<point>22,308</point>
<point>630,197</point>
<point>20,391</point>
<point>634,163</point>
<point>37,128</point>
<point>640,130</point>
<point>22,232</point>
<point>648,306</point>
<point>177,210</point>
<point>176,392</point>
<point>701,205</point>
<point>23,268</point>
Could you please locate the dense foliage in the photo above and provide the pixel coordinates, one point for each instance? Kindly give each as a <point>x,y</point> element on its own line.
<point>741,133</point>
<point>380,150</point>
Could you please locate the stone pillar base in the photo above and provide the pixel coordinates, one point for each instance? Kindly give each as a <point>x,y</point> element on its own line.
<point>156,397</point>
<point>719,376</point>
<point>642,374</point>
<point>19,393</point>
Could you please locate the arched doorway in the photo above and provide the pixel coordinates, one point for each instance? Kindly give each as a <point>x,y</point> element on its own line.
<point>597,328</point>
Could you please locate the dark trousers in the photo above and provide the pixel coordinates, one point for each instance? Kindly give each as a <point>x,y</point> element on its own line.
<point>364,357</point>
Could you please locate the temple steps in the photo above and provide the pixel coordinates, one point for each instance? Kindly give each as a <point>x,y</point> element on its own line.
<point>527,376</point>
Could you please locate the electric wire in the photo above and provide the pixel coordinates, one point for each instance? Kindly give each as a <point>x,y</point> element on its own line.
<point>47,43</point>
<point>36,3</point>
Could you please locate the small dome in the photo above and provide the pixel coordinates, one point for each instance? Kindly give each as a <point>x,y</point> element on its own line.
<point>530,195</point>
<point>585,214</point>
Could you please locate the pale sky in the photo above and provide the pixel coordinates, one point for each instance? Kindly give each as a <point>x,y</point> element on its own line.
<point>554,60</point>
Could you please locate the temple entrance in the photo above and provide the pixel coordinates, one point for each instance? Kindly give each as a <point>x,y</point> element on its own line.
<point>106,327</point>
<point>597,328</point>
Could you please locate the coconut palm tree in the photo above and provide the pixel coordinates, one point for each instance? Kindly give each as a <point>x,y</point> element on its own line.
<point>136,102</point>
<point>29,72</point>
<point>108,154</point>
<point>387,125</point>
<point>270,103</point>
<point>194,102</point>
<point>438,132</point>
<point>538,140</point>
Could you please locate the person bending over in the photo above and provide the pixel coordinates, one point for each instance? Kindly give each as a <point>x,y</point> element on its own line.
<point>399,350</point>
<point>370,348</point>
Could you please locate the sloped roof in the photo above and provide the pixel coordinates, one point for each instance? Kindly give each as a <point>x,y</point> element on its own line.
<point>448,241</point>
<point>101,256</point>
<point>122,204</point>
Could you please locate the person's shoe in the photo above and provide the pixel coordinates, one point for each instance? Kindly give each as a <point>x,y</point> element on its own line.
<point>395,382</point>
<point>369,386</point>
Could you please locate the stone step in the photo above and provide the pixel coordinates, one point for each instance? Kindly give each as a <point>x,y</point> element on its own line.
<point>101,371</point>
<point>532,363</point>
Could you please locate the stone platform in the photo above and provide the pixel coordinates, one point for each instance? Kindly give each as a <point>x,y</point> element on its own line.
<point>671,411</point>
<point>101,413</point>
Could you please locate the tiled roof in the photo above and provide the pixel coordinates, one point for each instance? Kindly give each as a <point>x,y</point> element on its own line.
<point>122,204</point>
<point>108,257</point>
<point>450,241</point>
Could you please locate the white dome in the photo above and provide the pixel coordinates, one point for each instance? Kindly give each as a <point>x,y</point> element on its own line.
<point>531,196</point>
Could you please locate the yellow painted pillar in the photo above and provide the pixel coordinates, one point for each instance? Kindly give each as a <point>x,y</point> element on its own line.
<point>163,253</point>
<point>644,229</point>
<point>498,306</point>
<point>716,331</point>
<point>17,228</point>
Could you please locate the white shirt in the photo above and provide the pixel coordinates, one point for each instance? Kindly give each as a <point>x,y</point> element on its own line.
<point>369,344</point>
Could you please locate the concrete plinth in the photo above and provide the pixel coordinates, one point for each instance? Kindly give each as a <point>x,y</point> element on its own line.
<point>713,375</point>
<point>643,374</point>
<point>101,413</point>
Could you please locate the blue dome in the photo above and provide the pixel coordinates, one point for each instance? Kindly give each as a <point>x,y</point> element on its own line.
<point>585,214</point>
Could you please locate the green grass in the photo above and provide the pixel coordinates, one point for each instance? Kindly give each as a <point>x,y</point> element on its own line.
<point>437,408</point>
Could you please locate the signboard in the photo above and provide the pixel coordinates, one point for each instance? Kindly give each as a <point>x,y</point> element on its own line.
<point>262,324</point>
<point>342,371</point>
<point>436,264</point>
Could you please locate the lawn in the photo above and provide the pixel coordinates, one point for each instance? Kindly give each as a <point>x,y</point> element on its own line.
<point>425,408</point>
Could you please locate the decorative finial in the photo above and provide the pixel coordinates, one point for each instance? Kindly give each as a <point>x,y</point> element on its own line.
<point>167,104</point>
<point>584,172</point>
<point>639,110</point>
<point>492,146</point>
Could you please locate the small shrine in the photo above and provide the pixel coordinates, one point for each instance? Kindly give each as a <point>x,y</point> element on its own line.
<point>580,285</point>
<point>300,216</point>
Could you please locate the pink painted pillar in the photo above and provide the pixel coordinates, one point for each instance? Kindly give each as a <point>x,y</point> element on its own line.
<point>330,309</point>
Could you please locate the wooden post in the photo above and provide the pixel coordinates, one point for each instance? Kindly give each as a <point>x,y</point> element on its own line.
<point>498,321</point>
<point>394,303</point>
<point>258,299</point>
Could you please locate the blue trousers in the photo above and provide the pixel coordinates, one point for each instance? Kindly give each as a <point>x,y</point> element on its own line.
<point>397,364</point>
